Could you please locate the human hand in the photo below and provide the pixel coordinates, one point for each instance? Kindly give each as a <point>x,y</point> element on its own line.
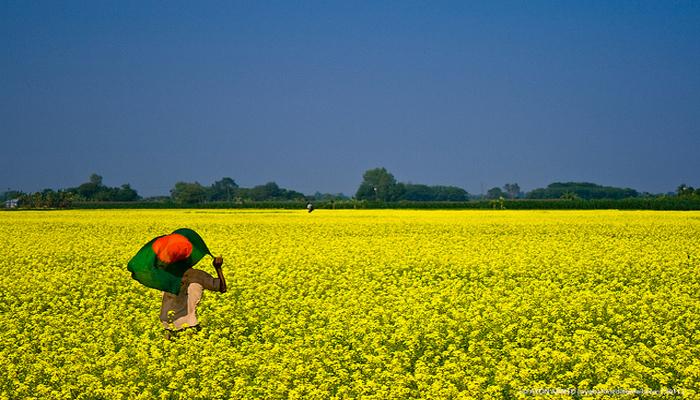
<point>218,262</point>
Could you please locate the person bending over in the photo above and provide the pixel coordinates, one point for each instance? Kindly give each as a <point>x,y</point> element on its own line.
<point>179,312</point>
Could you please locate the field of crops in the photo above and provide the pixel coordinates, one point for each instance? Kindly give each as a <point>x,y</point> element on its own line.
<point>354,303</point>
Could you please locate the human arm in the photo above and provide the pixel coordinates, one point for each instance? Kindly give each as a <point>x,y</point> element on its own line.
<point>217,263</point>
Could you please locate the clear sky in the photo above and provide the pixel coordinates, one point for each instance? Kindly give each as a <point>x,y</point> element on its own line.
<point>311,94</point>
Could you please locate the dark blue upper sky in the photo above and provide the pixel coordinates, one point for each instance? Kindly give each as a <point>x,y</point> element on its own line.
<point>311,94</point>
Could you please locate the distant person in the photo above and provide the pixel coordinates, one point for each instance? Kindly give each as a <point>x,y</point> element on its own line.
<point>310,207</point>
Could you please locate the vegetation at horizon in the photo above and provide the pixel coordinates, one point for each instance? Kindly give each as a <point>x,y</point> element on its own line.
<point>378,186</point>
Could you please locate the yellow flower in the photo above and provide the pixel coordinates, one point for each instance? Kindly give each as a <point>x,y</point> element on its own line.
<point>372,304</point>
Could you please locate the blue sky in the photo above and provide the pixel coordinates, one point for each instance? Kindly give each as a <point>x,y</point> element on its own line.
<point>311,94</point>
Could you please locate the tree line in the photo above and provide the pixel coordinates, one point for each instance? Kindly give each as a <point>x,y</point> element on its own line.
<point>227,190</point>
<point>92,190</point>
<point>378,185</point>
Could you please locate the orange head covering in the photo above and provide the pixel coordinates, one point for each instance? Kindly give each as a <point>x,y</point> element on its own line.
<point>172,248</point>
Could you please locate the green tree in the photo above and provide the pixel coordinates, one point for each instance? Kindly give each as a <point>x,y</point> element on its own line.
<point>188,193</point>
<point>125,193</point>
<point>413,192</point>
<point>318,196</point>
<point>10,195</point>
<point>223,190</point>
<point>685,190</point>
<point>267,191</point>
<point>96,180</point>
<point>569,196</point>
<point>449,193</point>
<point>495,193</point>
<point>512,189</point>
<point>378,184</point>
<point>417,192</point>
<point>89,190</point>
<point>95,190</point>
<point>583,190</point>
<point>47,198</point>
<point>272,191</point>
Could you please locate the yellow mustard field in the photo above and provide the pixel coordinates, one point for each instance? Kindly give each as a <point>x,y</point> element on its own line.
<point>358,304</point>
